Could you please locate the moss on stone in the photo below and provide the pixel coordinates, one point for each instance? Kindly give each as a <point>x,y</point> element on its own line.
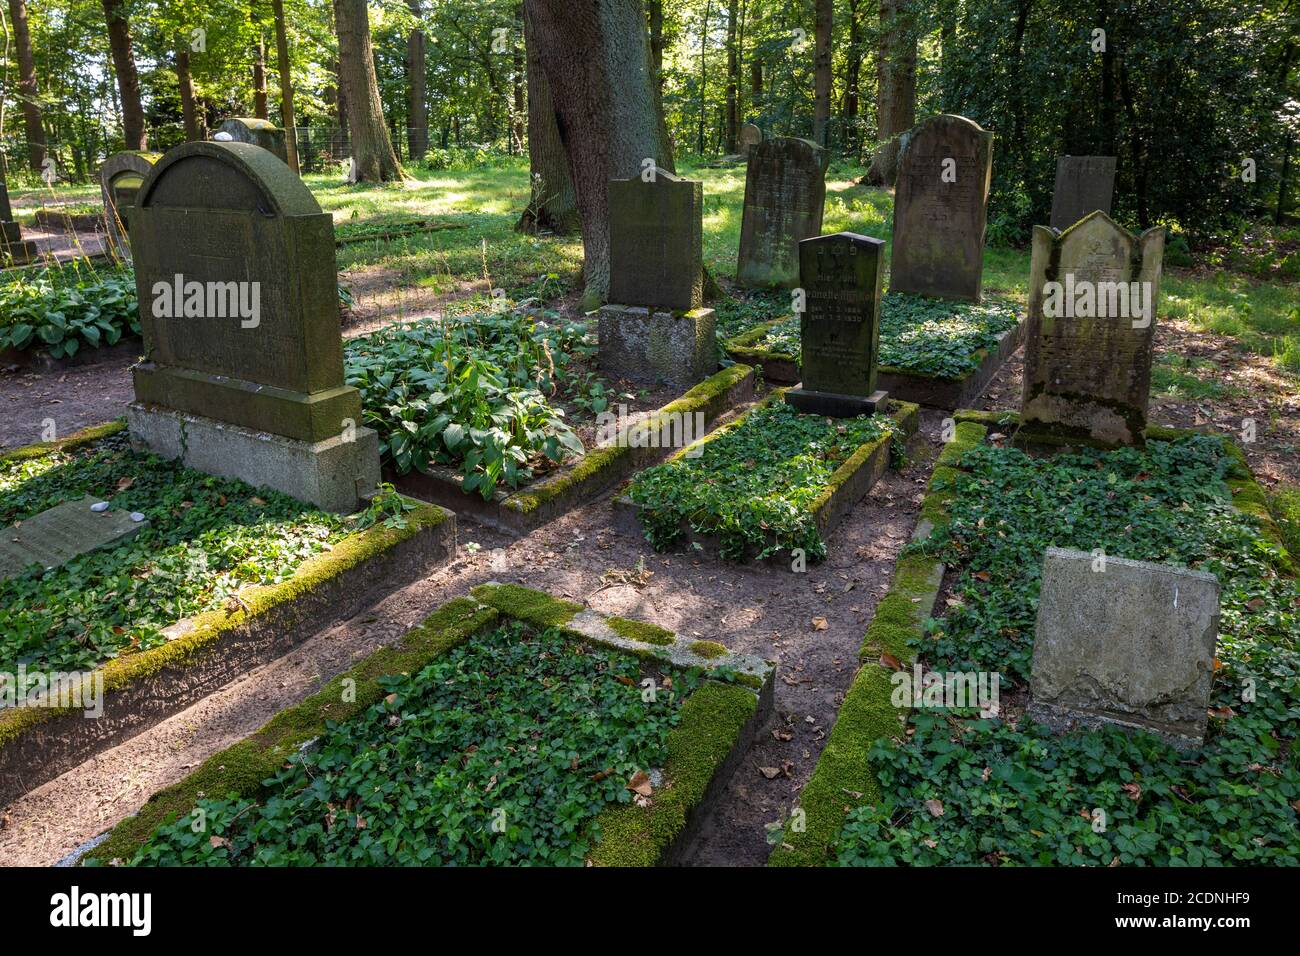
<point>701,395</point>
<point>71,442</point>
<point>966,435</point>
<point>534,607</point>
<point>641,631</point>
<point>711,721</point>
<point>1284,504</point>
<point>992,420</point>
<point>708,649</point>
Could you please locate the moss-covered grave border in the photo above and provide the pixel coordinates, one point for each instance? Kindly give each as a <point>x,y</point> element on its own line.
<point>544,500</point>
<point>38,744</point>
<point>929,390</point>
<point>845,488</point>
<point>843,777</point>
<point>718,721</point>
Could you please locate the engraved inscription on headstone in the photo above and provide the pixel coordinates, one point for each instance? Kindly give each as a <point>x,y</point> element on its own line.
<point>54,537</point>
<point>1084,184</point>
<point>941,209</point>
<point>785,193</point>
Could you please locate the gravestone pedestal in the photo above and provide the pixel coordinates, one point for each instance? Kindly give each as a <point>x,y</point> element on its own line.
<point>14,249</point>
<point>653,345</point>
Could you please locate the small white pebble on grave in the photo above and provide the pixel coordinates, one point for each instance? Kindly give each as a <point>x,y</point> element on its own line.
<point>99,506</point>
<point>137,516</point>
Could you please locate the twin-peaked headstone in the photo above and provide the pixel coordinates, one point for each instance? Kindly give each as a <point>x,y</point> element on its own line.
<point>1084,184</point>
<point>120,179</point>
<point>655,328</point>
<point>785,194</point>
<point>243,368</point>
<point>1092,306</point>
<point>941,209</point>
<point>14,249</point>
<point>840,277</point>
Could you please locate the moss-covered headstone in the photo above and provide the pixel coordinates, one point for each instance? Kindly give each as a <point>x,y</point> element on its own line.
<point>840,325</point>
<point>1092,306</point>
<point>120,179</point>
<point>785,193</point>
<point>654,328</point>
<point>941,209</point>
<point>259,132</point>
<point>14,249</point>
<point>243,368</point>
<point>1084,184</point>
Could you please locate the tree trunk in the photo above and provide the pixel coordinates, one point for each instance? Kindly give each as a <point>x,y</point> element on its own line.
<point>824,27</point>
<point>260,109</point>
<point>285,68</point>
<point>853,78</point>
<point>895,88</point>
<point>189,108</point>
<point>417,136</point>
<point>373,159</point>
<point>554,202</point>
<point>128,80</point>
<point>596,56</point>
<point>28,90</point>
<point>733,78</point>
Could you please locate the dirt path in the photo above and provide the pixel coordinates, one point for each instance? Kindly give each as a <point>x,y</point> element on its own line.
<point>754,610</point>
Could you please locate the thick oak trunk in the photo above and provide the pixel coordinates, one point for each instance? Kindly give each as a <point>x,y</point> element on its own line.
<point>896,88</point>
<point>189,107</point>
<point>554,202</point>
<point>373,159</point>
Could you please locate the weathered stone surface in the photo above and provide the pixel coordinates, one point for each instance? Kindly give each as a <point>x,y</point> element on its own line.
<point>840,326</point>
<point>655,345</point>
<point>749,137</point>
<point>785,194</point>
<point>1131,645</point>
<point>1093,291</point>
<point>120,179</point>
<point>57,535</point>
<point>941,208</point>
<point>14,249</point>
<point>261,347</point>
<point>1084,184</point>
<point>258,132</point>
<point>656,239</point>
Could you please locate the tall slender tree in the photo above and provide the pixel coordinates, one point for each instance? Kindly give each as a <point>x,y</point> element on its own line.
<point>895,88</point>
<point>284,67</point>
<point>128,79</point>
<point>28,89</point>
<point>417,134</point>
<point>373,159</point>
<point>824,27</point>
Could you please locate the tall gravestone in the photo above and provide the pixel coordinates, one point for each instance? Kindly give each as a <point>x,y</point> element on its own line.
<point>785,194</point>
<point>243,367</point>
<point>14,249</point>
<point>749,137</point>
<point>1123,642</point>
<point>840,325</point>
<point>258,132</point>
<point>120,179</point>
<point>655,328</point>
<point>1084,184</point>
<point>941,209</point>
<point>1093,291</point>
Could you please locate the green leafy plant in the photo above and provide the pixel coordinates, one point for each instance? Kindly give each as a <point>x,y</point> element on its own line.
<point>66,308</point>
<point>387,507</point>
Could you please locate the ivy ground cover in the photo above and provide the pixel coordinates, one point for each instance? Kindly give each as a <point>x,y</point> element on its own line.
<point>935,338</point>
<point>960,789</point>
<point>207,538</point>
<point>754,485</point>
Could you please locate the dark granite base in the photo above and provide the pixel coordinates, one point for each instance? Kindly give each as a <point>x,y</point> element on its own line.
<point>836,406</point>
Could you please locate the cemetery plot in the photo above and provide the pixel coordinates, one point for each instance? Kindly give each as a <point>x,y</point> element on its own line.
<point>503,415</point>
<point>1001,789</point>
<point>215,577</point>
<point>769,484</point>
<point>64,311</point>
<point>932,351</point>
<point>507,728</point>
<point>387,228</point>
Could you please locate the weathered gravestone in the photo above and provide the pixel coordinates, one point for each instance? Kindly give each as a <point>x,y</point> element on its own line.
<point>1084,184</point>
<point>243,368</point>
<point>941,209</point>
<point>1124,642</point>
<point>120,179</point>
<point>654,328</point>
<point>14,249</point>
<point>785,193</point>
<point>749,137</point>
<point>258,132</point>
<point>1092,302</point>
<point>840,325</point>
<point>57,535</point>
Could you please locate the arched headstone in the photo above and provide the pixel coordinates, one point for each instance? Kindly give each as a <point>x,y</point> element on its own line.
<point>785,193</point>
<point>749,137</point>
<point>120,179</point>
<point>259,132</point>
<point>243,368</point>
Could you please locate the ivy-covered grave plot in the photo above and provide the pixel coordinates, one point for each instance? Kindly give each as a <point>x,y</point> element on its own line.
<point>508,728</point>
<point>503,414</point>
<point>65,310</point>
<point>974,786</point>
<point>219,577</point>
<point>769,485</point>
<point>932,351</point>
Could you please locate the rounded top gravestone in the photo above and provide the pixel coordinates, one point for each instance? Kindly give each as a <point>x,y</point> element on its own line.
<point>120,179</point>
<point>259,132</point>
<point>785,193</point>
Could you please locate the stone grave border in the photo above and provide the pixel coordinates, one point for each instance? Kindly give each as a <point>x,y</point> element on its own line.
<point>208,650</point>
<point>403,230</point>
<point>718,723</point>
<point>522,510</point>
<point>846,487</point>
<point>929,390</point>
<point>843,774</point>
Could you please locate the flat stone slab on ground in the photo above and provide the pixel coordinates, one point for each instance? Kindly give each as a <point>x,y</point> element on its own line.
<point>56,536</point>
<point>1131,645</point>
